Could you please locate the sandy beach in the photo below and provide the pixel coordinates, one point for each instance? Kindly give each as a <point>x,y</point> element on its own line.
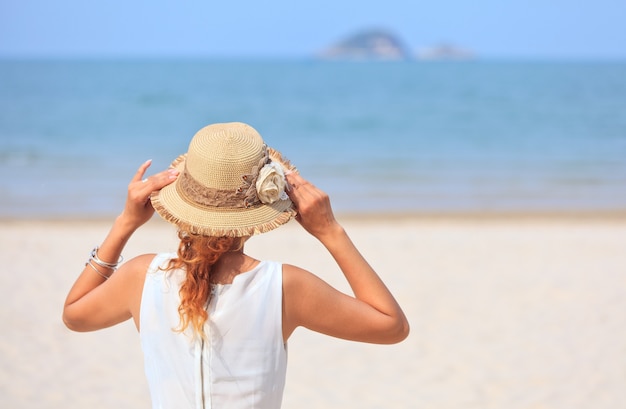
<point>505,312</point>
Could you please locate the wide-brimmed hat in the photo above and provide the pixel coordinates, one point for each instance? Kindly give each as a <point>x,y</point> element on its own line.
<point>230,184</point>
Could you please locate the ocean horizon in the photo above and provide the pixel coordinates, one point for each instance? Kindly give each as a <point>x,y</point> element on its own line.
<point>379,137</point>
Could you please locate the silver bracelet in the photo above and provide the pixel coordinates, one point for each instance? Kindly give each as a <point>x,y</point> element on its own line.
<point>106,277</point>
<point>94,257</point>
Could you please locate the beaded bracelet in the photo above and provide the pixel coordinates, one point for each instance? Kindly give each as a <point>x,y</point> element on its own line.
<point>94,257</point>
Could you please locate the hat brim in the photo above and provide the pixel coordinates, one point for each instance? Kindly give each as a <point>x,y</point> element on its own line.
<point>218,222</point>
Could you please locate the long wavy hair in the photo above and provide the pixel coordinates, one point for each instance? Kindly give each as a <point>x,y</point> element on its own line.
<point>196,255</point>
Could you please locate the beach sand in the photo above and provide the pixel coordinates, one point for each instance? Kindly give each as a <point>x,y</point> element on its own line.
<point>505,312</point>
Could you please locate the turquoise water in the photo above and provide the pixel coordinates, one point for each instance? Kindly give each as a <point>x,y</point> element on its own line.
<point>379,137</point>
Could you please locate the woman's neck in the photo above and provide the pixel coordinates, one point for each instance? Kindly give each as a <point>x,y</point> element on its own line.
<point>230,265</point>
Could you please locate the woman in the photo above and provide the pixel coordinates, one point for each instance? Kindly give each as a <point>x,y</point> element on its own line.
<point>213,321</point>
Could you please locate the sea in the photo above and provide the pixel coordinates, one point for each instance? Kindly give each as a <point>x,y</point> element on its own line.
<point>379,137</point>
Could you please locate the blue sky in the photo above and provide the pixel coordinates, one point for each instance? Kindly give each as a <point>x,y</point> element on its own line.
<point>281,28</point>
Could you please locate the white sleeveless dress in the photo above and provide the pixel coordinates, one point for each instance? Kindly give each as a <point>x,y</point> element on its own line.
<point>243,361</point>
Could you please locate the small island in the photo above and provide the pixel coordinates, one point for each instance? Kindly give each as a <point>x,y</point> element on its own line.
<point>383,45</point>
<point>447,52</point>
<point>367,45</point>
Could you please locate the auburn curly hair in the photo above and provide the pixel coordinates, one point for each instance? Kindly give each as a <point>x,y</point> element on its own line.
<point>196,255</point>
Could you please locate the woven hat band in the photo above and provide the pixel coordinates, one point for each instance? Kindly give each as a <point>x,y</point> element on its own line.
<point>199,196</point>
<point>244,197</point>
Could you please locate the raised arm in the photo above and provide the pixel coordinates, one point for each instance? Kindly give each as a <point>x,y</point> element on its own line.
<point>94,301</point>
<point>371,315</point>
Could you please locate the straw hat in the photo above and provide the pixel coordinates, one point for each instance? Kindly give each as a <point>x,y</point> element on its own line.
<point>230,184</point>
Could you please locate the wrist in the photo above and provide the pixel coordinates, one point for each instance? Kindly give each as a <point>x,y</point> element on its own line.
<point>333,234</point>
<point>124,225</point>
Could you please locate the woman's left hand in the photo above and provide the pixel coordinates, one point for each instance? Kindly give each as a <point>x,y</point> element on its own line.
<point>138,209</point>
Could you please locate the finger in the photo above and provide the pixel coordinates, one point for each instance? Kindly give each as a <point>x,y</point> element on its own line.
<point>304,196</point>
<point>159,180</point>
<point>294,179</point>
<point>141,171</point>
<point>163,179</point>
<point>139,191</point>
<point>295,191</point>
<point>297,182</point>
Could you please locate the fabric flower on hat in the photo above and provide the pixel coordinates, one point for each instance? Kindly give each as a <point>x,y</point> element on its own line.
<point>270,184</point>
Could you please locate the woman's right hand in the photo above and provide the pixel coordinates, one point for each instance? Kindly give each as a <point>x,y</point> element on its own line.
<point>314,211</point>
<point>371,315</point>
<point>138,208</point>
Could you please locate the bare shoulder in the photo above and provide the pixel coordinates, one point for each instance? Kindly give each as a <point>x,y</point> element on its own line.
<point>137,265</point>
<point>290,274</point>
<point>296,279</point>
<point>143,260</point>
<point>132,273</point>
<point>294,290</point>
<point>132,276</point>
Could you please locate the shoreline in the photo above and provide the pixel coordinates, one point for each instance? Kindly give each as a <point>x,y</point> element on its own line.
<point>356,216</point>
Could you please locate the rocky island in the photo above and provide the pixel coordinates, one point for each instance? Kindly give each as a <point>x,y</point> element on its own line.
<point>367,45</point>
